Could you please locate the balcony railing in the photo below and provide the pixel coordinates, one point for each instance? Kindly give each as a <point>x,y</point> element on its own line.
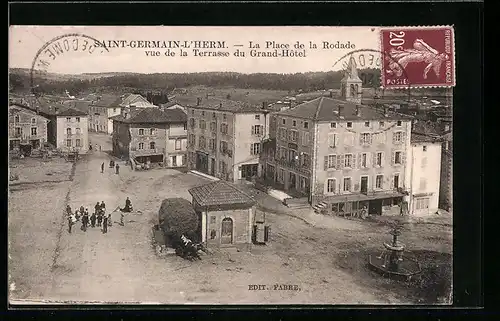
<point>292,164</point>
<point>146,152</point>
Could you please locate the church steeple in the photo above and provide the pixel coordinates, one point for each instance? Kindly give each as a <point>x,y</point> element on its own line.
<point>351,84</point>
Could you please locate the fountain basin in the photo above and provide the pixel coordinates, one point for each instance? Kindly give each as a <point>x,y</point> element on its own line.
<point>407,267</point>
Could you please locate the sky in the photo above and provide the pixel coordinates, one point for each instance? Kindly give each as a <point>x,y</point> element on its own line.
<point>26,41</point>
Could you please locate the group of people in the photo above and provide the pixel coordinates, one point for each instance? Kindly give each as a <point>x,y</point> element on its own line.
<point>111,165</point>
<point>97,218</point>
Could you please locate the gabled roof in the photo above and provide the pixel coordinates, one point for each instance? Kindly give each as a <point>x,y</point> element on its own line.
<point>109,101</point>
<point>70,112</point>
<point>220,193</point>
<point>421,138</point>
<point>327,109</point>
<point>135,100</point>
<point>82,105</point>
<point>152,116</point>
<point>16,108</point>
<point>226,105</point>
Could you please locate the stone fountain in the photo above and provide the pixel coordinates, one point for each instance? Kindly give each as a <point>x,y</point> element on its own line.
<point>392,262</point>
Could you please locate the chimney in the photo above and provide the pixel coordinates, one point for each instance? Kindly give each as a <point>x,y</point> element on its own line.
<point>264,105</point>
<point>358,112</point>
<point>340,108</point>
<point>198,101</point>
<point>220,105</point>
<point>56,109</point>
<point>331,93</point>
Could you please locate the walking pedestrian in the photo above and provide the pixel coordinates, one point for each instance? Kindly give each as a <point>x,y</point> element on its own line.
<point>117,168</point>
<point>77,215</point>
<point>102,168</point>
<point>99,147</point>
<point>99,219</point>
<point>105,225</point>
<point>70,224</point>
<point>93,217</point>
<point>85,222</point>
<point>68,210</point>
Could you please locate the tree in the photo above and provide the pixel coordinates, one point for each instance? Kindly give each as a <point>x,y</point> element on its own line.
<point>176,217</point>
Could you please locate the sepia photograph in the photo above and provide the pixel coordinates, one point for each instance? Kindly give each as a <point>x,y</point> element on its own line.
<point>230,165</point>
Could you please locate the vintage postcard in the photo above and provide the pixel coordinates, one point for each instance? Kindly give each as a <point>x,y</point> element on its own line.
<point>230,165</point>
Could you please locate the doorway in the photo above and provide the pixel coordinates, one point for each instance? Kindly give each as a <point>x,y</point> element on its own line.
<point>249,171</point>
<point>364,184</point>
<point>212,166</point>
<point>226,235</point>
<point>375,207</point>
<point>202,162</point>
<point>35,143</point>
<point>292,181</point>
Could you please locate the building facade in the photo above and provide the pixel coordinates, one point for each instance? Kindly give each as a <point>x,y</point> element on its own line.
<point>151,134</point>
<point>71,134</point>
<point>225,138</point>
<point>26,127</point>
<point>423,174</point>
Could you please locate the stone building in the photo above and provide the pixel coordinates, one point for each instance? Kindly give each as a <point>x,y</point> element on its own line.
<point>227,215</point>
<point>225,138</point>
<point>151,134</point>
<point>27,129</point>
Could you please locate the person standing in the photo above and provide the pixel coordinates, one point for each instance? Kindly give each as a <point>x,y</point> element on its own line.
<point>92,219</point>
<point>70,224</point>
<point>103,206</point>
<point>97,208</point>
<point>105,225</point>
<point>121,219</point>
<point>117,168</point>
<point>99,219</point>
<point>110,222</point>
<point>82,210</point>
<point>85,222</point>
<point>102,168</point>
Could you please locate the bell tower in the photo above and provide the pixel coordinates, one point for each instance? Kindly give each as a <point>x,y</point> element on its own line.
<point>351,85</point>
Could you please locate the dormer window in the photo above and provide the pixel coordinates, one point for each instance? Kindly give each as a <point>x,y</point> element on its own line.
<point>349,124</point>
<point>399,123</point>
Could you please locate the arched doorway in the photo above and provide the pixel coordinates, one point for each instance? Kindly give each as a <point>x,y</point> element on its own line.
<point>226,236</point>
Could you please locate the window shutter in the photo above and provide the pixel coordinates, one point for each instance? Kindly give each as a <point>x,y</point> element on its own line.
<point>360,159</point>
<point>353,161</point>
<point>253,130</point>
<point>370,138</point>
<point>361,139</point>
<point>382,163</point>
<point>392,182</point>
<point>403,137</point>
<point>383,137</point>
<point>331,140</point>
<point>393,157</point>
<point>403,157</point>
<point>251,149</point>
<point>394,138</point>
<point>336,139</point>
<point>368,161</point>
<point>326,163</point>
<point>374,159</point>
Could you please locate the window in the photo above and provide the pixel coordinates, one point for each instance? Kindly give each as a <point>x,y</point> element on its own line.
<point>141,146</point>
<point>379,181</point>
<point>178,144</point>
<point>224,117</point>
<point>283,121</point>
<point>78,131</point>
<point>114,110</point>
<point>422,203</point>
<point>333,125</point>
<point>174,160</point>
<point>152,131</point>
<point>78,143</point>
<point>141,131</point>
<point>183,160</point>
<point>398,123</point>
<point>331,184</point>
<point>424,148</point>
<point>397,137</point>
<point>257,117</point>
<point>213,219</point>
<point>17,119</point>
<point>34,131</point>
<point>294,123</point>
<point>365,139</point>
<point>203,124</point>
<point>33,120</point>
<point>423,184</point>
<point>223,147</point>
<point>19,131</point>
<point>202,143</point>
<point>367,124</point>
<point>192,111</point>
<point>305,139</point>
<point>192,122</point>
<point>213,115</point>
<point>332,161</point>
<point>223,128</point>
<point>378,160</point>
<point>281,175</point>
<point>192,140</point>
<point>255,149</point>
<point>185,126</point>
<point>203,113</point>
<point>68,131</point>
<point>68,119</point>
<point>396,180</point>
<point>347,184</point>
<point>282,133</point>
<point>306,125</point>
<point>364,161</point>
<point>397,158</point>
<point>257,130</point>
<point>348,160</point>
<point>332,140</point>
<point>424,162</point>
<point>294,135</point>
<point>306,160</point>
<point>68,142</point>
<point>381,124</point>
<point>211,144</point>
<point>77,119</point>
<point>152,145</point>
<point>349,124</point>
<point>213,126</point>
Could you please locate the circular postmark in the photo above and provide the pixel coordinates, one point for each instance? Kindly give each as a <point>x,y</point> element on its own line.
<point>68,47</point>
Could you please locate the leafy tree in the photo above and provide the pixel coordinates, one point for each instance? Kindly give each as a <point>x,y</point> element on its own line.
<point>176,217</point>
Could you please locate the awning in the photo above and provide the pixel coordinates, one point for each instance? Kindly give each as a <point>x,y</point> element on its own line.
<point>361,197</point>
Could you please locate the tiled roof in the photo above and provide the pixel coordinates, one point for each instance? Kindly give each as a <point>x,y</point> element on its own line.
<point>327,109</point>
<point>108,101</point>
<point>421,138</point>
<point>82,105</point>
<point>70,112</point>
<point>427,128</point>
<point>152,116</point>
<point>220,193</point>
<point>225,105</point>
